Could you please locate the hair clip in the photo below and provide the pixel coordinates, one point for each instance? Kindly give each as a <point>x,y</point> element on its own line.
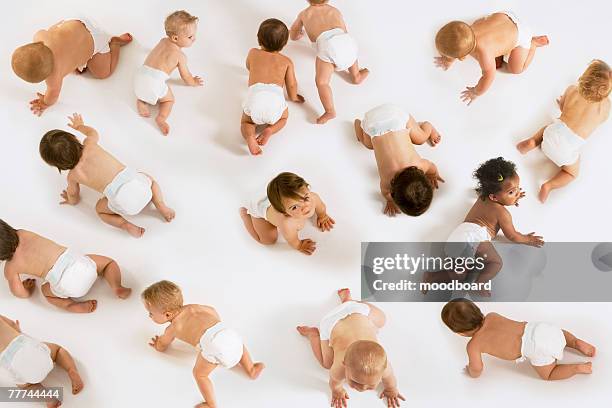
<point>500,177</point>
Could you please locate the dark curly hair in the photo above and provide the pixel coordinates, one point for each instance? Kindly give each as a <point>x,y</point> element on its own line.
<point>9,240</point>
<point>411,191</point>
<point>491,175</point>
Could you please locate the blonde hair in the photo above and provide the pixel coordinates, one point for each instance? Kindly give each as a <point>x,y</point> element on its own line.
<point>33,62</point>
<point>366,358</point>
<point>163,295</point>
<point>177,21</point>
<point>596,82</point>
<point>456,40</point>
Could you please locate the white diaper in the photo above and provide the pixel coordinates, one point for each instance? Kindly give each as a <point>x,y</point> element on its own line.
<point>220,345</point>
<point>384,119</point>
<point>338,313</point>
<point>561,144</point>
<point>27,360</point>
<point>72,276</point>
<point>542,344</point>
<point>337,47</point>
<point>129,192</point>
<point>100,38</point>
<point>265,103</point>
<point>258,208</point>
<point>524,33</point>
<point>150,84</point>
<point>464,240</point>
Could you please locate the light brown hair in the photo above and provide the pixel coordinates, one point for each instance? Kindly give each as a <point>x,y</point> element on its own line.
<point>318,1</point>
<point>411,191</point>
<point>164,296</point>
<point>285,185</point>
<point>462,315</point>
<point>456,40</point>
<point>596,82</point>
<point>273,35</point>
<point>365,357</point>
<point>177,21</point>
<point>60,149</point>
<point>33,62</point>
<point>9,240</point>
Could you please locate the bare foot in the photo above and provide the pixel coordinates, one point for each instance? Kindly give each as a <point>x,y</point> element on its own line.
<point>585,348</point>
<point>325,117</point>
<point>167,212</point>
<point>256,371</point>
<point>263,138</point>
<point>122,40</point>
<point>526,145</point>
<point>77,382</point>
<point>308,331</point>
<point>54,403</point>
<point>162,125</point>
<point>253,146</point>
<point>344,294</point>
<point>584,368</point>
<point>123,293</point>
<point>87,306</point>
<point>363,74</point>
<point>540,41</point>
<point>202,405</point>
<point>358,130</point>
<point>435,138</point>
<point>143,108</point>
<point>544,191</point>
<point>133,230</point>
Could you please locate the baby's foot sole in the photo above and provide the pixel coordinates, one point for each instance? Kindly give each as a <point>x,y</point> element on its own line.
<point>363,74</point>
<point>543,194</point>
<point>168,213</point>
<point>327,116</point>
<point>83,307</point>
<point>123,293</point>
<point>540,41</point>
<point>307,331</point>
<point>143,109</point>
<point>526,145</point>
<point>163,126</point>
<point>434,139</point>
<point>253,147</point>
<point>54,404</point>
<point>134,230</point>
<point>77,382</point>
<point>122,39</point>
<point>585,348</point>
<point>256,371</point>
<point>344,294</point>
<point>263,138</point>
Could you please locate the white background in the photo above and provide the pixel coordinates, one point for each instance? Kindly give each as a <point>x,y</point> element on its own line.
<point>206,174</point>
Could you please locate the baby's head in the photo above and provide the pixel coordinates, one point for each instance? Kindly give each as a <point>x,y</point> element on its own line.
<point>498,181</point>
<point>289,194</point>
<point>596,82</point>
<point>60,149</point>
<point>462,316</point>
<point>33,62</point>
<point>181,28</point>
<point>162,300</point>
<point>411,191</point>
<point>273,35</point>
<point>455,40</point>
<point>9,240</point>
<point>364,363</point>
<point>317,2</point>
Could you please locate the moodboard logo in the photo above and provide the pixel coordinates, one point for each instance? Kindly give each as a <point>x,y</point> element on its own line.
<point>490,271</point>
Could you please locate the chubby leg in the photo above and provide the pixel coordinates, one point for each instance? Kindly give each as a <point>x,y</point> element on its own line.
<point>109,217</point>
<point>377,316</point>
<point>272,129</point>
<point>247,128</point>
<point>143,108</point>
<point>324,71</point>
<point>520,57</point>
<point>556,371</point>
<point>531,143</point>
<point>103,65</point>
<point>63,359</point>
<point>582,346</point>
<point>201,371</point>
<point>158,201</point>
<point>252,369</point>
<point>260,229</point>
<point>421,132</point>
<point>68,304</point>
<point>358,75</point>
<point>492,264</point>
<point>321,349</point>
<point>362,136</point>
<point>165,107</point>
<point>109,270</point>
<point>566,175</point>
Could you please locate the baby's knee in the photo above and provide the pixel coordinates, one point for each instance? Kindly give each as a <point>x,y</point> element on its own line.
<point>101,206</point>
<point>269,240</point>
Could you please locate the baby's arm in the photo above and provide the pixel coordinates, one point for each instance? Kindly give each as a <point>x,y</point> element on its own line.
<point>185,74</point>
<point>297,29</point>
<point>19,288</point>
<point>507,227</point>
<point>290,233</point>
<point>475,366</point>
<point>72,194</point>
<point>13,324</point>
<point>336,378</point>
<point>51,95</point>
<point>161,343</point>
<point>390,208</point>
<point>390,391</point>
<point>291,84</point>
<point>76,122</point>
<point>487,64</point>
<point>431,171</point>
<point>324,221</point>
<point>561,99</point>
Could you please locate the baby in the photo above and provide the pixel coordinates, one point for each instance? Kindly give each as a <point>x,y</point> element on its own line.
<point>30,361</point>
<point>406,180</point>
<point>269,72</point>
<point>201,327</point>
<point>494,334</point>
<point>67,274</point>
<point>69,46</point>
<point>346,344</point>
<point>150,81</point>
<point>490,40</point>
<point>286,207</point>
<point>336,49</point>
<point>126,192</point>
<point>583,108</point>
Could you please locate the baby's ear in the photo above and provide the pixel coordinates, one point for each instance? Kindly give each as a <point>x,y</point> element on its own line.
<point>493,197</point>
<point>174,38</point>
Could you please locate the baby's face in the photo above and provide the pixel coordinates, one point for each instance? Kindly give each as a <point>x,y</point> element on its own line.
<point>299,208</point>
<point>361,382</point>
<point>186,37</point>
<point>156,315</point>
<point>510,192</point>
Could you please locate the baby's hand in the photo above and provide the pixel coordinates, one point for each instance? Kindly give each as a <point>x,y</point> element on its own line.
<point>434,178</point>
<point>339,398</point>
<point>299,99</point>
<point>391,209</point>
<point>307,246</point>
<point>76,120</point>
<point>393,396</point>
<point>197,81</point>
<point>521,195</point>
<point>38,105</point>
<point>443,62</point>
<point>66,199</point>
<point>469,95</point>
<point>155,343</point>
<point>534,240</point>
<point>29,285</point>
<point>325,223</point>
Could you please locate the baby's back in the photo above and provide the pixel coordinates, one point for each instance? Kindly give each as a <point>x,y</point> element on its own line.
<point>7,334</point>
<point>582,116</point>
<point>71,43</point>
<point>96,168</point>
<point>317,19</point>
<point>486,214</point>
<point>353,328</point>
<point>394,151</point>
<point>164,56</point>
<point>267,67</point>
<point>495,34</point>
<point>35,255</point>
<point>500,337</point>
<point>193,321</point>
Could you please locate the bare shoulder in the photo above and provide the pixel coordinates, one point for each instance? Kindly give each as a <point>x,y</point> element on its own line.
<point>474,344</point>
<point>9,268</point>
<point>286,59</point>
<point>208,310</point>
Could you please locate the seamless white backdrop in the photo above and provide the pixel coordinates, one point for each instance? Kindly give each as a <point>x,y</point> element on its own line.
<point>206,174</point>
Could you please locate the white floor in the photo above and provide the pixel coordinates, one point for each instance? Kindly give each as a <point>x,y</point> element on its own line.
<point>206,174</point>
